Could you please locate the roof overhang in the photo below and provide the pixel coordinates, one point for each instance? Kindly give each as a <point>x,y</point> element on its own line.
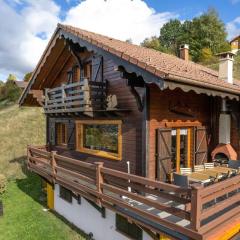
<point>164,81</point>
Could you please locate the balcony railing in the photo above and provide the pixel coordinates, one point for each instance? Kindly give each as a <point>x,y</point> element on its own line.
<point>192,212</point>
<point>82,96</point>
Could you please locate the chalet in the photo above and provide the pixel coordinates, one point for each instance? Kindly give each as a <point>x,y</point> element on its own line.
<point>235,44</point>
<point>140,144</point>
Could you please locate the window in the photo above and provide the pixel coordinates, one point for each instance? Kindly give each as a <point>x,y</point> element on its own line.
<point>182,147</point>
<point>127,228</point>
<point>65,194</point>
<point>101,138</point>
<point>61,137</point>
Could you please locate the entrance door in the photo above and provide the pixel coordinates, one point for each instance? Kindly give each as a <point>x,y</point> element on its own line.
<point>174,150</point>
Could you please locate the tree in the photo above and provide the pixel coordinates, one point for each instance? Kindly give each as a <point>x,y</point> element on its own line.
<point>154,43</point>
<point>27,77</point>
<point>170,35</point>
<point>205,33</point>
<point>11,77</point>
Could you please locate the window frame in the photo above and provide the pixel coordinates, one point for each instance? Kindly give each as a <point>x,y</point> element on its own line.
<point>126,232</point>
<point>99,153</point>
<point>59,139</point>
<point>64,193</point>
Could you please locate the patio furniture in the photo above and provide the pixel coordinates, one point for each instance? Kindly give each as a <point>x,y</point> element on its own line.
<point>185,171</point>
<point>180,180</point>
<point>235,164</point>
<point>199,177</point>
<point>198,168</point>
<point>208,165</point>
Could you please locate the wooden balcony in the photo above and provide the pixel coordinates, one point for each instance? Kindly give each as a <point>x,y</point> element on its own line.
<point>182,213</point>
<point>82,96</point>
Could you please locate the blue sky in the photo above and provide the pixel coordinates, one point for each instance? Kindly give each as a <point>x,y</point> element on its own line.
<point>27,25</point>
<point>187,9</point>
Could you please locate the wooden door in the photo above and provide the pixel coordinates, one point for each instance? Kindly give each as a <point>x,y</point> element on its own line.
<point>164,153</point>
<point>201,142</point>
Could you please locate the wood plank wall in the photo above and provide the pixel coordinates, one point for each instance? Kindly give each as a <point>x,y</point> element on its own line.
<point>159,115</point>
<point>132,121</point>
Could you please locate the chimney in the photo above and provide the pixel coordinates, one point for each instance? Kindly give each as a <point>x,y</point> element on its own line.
<point>184,52</point>
<point>226,66</point>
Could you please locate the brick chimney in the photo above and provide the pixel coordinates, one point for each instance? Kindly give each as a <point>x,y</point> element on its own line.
<point>226,66</point>
<point>184,52</point>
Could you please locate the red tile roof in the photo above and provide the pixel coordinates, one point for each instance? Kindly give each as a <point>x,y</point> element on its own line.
<point>160,64</point>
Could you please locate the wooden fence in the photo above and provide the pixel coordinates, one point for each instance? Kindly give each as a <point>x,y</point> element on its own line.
<point>204,207</point>
<point>76,97</point>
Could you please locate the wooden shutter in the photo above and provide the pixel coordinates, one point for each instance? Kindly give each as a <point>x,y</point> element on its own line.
<point>71,133</point>
<point>201,145</point>
<point>52,131</point>
<point>97,64</point>
<point>164,153</point>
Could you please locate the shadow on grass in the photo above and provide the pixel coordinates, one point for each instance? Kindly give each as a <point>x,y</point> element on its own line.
<point>32,186</point>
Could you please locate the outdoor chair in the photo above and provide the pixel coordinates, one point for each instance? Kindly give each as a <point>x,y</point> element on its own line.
<point>185,171</point>
<point>208,165</point>
<point>198,168</point>
<point>180,180</point>
<point>234,164</point>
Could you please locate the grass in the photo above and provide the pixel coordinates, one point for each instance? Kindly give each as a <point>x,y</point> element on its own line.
<point>24,216</point>
<point>23,201</point>
<point>18,128</point>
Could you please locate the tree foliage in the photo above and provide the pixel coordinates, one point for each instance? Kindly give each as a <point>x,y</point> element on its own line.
<point>205,34</point>
<point>154,43</point>
<point>27,77</point>
<point>9,90</point>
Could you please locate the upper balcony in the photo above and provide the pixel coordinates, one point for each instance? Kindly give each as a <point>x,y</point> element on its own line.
<point>84,96</point>
<point>194,212</point>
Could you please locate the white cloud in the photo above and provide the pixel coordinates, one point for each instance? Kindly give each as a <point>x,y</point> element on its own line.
<point>119,19</point>
<point>20,47</point>
<point>26,26</point>
<point>233,28</point>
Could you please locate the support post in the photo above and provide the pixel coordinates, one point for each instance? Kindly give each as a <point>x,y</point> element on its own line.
<point>99,179</point>
<point>53,163</point>
<point>46,97</point>
<point>196,207</point>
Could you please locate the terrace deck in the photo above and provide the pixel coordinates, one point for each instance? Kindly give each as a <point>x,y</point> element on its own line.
<point>193,213</point>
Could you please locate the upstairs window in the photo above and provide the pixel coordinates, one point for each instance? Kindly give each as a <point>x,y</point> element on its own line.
<point>61,136</point>
<point>100,138</point>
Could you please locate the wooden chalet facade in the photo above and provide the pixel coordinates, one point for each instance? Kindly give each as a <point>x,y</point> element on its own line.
<point>120,120</point>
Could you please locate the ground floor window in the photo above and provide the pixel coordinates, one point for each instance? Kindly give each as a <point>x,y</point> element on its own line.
<point>65,194</point>
<point>100,137</point>
<point>129,229</point>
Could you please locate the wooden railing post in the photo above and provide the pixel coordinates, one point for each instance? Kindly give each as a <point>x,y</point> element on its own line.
<point>53,163</point>
<point>99,178</point>
<point>196,206</point>
<point>46,97</point>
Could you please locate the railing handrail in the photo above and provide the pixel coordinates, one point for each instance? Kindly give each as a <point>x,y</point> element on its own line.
<point>198,193</point>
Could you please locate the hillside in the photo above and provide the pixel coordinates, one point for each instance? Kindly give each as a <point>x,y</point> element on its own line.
<point>25,215</point>
<point>18,127</point>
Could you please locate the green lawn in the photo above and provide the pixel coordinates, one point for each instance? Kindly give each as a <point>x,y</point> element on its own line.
<point>24,216</point>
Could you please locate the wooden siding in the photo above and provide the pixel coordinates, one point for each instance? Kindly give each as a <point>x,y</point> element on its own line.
<point>131,121</point>
<point>160,116</point>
